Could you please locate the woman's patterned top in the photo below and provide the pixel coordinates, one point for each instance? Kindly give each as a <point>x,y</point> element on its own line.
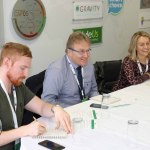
<point>130,74</point>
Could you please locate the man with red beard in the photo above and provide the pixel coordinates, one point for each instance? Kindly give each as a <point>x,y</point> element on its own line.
<point>15,61</point>
<point>71,79</point>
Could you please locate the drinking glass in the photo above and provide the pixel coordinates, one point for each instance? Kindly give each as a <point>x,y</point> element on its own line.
<point>105,101</point>
<point>132,133</point>
<point>104,106</point>
<point>77,124</point>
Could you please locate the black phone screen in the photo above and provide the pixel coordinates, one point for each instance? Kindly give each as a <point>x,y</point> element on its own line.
<point>99,106</point>
<point>95,105</point>
<point>51,145</point>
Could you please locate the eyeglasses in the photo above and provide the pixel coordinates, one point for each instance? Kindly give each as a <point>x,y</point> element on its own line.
<point>82,52</point>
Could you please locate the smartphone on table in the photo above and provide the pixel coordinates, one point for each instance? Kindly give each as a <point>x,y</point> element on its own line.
<point>51,145</point>
<point>94,105</point>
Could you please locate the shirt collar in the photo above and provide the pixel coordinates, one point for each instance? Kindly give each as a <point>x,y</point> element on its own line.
<point>73,64</point>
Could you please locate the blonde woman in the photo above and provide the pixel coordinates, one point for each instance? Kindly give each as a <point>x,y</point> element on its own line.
<point>136,66</point>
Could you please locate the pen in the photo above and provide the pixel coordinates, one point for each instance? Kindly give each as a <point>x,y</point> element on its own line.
<point>42,125</point>
<point>121,105</point>
<point>94,114</point>
<point>34,118</point>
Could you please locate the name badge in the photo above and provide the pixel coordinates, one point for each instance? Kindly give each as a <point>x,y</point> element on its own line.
<point>17,144</point>
<point>84,99</point>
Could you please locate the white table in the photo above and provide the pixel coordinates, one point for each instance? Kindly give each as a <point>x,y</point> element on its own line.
<point>111,130</point>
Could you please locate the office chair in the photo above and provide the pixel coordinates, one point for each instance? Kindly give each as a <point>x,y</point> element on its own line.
<point>107,73</point>
<point>99,75</point>
<point>35,84</point>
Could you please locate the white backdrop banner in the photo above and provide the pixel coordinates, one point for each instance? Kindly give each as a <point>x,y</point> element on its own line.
<point>87,10</point>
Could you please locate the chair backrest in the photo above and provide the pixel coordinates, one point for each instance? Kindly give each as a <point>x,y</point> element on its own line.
<point>35,84</point>
<point>99,74</point>
<point>111,71</point>
<point>107,73</point>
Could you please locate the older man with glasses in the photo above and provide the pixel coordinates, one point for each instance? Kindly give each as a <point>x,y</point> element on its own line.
<point>71,80</point>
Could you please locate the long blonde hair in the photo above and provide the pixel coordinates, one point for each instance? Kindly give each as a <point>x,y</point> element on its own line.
<point>133,44</point>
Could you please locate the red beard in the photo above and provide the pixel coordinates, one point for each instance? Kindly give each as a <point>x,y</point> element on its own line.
<point>14,81</point>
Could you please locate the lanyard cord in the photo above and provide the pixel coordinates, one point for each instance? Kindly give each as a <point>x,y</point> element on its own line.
<point>75,75</point>
<point>140,68</point>
<point>15,97</point>
<point>9,101</point>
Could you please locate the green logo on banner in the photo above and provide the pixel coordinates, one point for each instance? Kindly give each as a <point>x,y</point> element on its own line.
<point>95,34</point>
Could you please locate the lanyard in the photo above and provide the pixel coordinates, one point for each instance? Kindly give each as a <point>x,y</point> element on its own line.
<point>75,75</point>
<point>17,142</point>
<point>140,68</point>
<point>15,102</point>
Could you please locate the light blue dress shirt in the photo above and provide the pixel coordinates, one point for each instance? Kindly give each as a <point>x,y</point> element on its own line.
<point>60,86</point>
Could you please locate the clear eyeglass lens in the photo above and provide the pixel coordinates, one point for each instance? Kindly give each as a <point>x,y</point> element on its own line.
<point>83,52</point>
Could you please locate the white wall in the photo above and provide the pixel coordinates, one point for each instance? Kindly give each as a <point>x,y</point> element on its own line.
<point>1,24</point>
<point>50,45</point>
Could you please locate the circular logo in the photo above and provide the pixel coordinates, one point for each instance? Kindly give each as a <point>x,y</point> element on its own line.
<point>28,18</point>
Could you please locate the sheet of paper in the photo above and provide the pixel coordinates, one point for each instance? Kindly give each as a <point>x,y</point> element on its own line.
<point>111,100</point>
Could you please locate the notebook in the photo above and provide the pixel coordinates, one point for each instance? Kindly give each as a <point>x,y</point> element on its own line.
<point>53,134</point>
